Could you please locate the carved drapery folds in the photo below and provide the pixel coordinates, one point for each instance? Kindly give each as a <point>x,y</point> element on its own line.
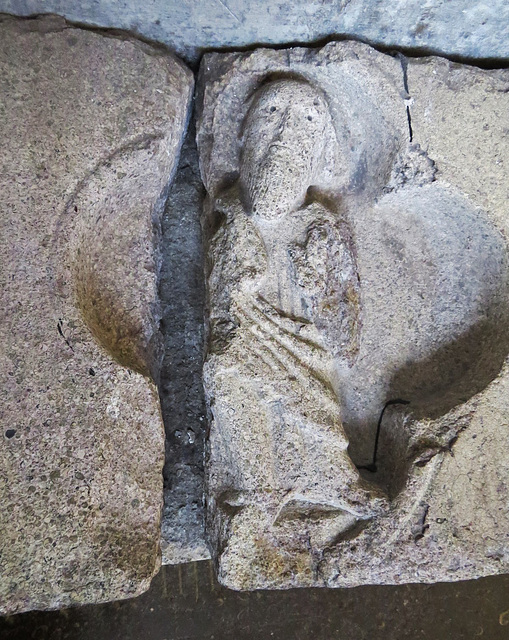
<point>356,304</point>
<point>357,276</point>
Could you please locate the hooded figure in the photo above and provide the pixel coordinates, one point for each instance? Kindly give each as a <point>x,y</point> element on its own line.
<point>284,304</point>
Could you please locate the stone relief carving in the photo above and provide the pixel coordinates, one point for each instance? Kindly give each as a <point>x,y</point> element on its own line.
<point>289,270</point>
<point>346,286</point>
<point>90,145</point>
<point>358,280</point>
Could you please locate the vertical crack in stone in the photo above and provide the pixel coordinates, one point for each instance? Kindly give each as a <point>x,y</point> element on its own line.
<point>182,292</point>
<point>408,99</point>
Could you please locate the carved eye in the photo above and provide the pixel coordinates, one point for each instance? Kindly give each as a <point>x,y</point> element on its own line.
<point>272,109</point>
<point>310,118</point>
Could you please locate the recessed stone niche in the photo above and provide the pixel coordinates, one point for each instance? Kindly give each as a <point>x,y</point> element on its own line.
<point>356,302</point>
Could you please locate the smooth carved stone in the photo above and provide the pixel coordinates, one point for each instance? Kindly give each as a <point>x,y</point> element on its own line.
<point>358,287</point>
<point>91,129</point>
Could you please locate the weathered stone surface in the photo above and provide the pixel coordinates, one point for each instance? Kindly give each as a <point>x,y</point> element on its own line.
<point>358,287</point>
<point>456,27</point>
<point>91,127</point>
<point>182,292</point>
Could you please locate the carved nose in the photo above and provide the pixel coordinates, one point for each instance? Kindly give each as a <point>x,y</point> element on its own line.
<point>287,128</point>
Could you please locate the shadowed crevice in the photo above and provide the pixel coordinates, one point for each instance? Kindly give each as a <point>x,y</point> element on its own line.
<point>182,293</point>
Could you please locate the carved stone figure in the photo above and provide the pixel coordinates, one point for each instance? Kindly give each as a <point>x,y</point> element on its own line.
<point>289,272</point>
<point>355,304</point>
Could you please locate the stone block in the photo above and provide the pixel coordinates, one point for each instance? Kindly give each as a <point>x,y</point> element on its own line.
<point>358,294</point>
<point>452,28</point>
<point>91,127</point>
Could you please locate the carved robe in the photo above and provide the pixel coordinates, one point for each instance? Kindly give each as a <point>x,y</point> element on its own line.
<point>283,298</point>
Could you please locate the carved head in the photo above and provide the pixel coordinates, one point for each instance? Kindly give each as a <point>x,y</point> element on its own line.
<point>284,136</point>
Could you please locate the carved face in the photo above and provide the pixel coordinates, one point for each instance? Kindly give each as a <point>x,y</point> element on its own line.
<point>284,138</point>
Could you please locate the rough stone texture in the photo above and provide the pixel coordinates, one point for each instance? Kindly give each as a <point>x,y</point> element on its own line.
<point>182,292</point>
<point>358,285</point>
<point>91,127</point>
<point>457,27</point>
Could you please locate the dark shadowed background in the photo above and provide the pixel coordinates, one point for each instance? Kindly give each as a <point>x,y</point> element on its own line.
<point>185,602</point>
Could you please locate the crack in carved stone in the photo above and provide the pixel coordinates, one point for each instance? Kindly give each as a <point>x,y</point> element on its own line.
<point>343,275</point>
